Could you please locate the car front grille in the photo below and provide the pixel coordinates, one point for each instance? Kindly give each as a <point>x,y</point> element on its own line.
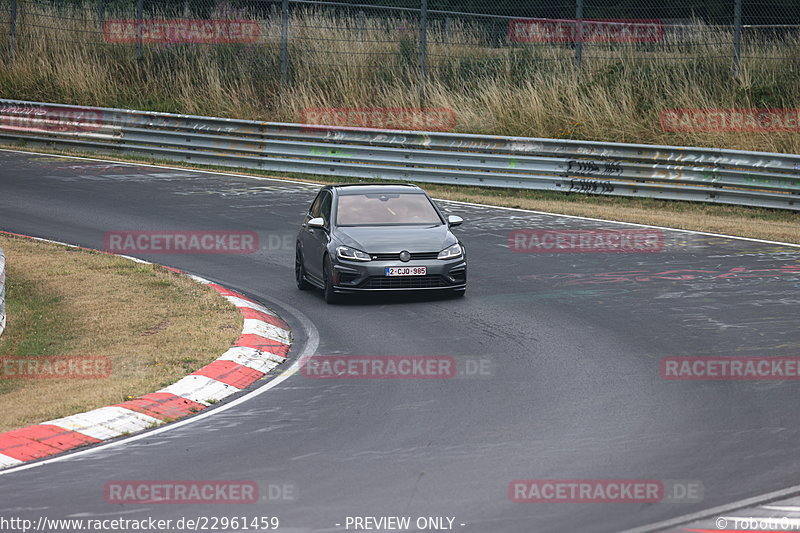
<point>417,256</point>
<point>404,282</point>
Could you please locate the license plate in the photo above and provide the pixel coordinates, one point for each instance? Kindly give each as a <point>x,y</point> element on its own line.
<point>406,271</point>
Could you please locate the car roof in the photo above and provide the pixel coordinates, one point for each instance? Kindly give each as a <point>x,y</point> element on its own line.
<point>374,188</point>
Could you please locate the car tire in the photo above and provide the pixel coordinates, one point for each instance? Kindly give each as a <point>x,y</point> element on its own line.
<point>300,272</point>
<point>327,269</point>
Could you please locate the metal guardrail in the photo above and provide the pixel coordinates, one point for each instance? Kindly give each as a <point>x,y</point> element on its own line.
<point>585,167</point>
<point>2,291</point>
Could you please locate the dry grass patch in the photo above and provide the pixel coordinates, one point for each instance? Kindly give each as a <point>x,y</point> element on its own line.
<point>154,325</point>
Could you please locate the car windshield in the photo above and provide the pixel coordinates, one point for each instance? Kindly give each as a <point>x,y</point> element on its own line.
<point>385,209</point>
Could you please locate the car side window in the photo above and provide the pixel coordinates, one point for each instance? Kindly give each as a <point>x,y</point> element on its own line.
<point>325,209</point>
<point>316,205</point>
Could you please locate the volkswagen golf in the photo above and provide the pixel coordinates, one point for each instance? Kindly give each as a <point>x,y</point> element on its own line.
<point>378,237</point>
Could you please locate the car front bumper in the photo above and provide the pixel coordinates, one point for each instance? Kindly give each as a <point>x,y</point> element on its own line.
<point>351,276</point>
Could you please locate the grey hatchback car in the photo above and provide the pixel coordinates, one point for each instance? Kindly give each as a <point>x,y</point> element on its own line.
<point>378,237</point>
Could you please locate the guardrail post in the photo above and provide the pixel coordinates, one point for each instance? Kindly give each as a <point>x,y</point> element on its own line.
<point>737,36</point>
<point>12,33</point>
<point>423,48</point>
<point>284,42</point>
<point>579,33</point>
<point>139,21</point>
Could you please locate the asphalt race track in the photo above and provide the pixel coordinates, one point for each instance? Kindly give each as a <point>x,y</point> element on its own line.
<point>571,387</point>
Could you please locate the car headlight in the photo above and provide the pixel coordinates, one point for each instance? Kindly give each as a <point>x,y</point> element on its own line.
<point>351,254</point>
<point>451,252</point>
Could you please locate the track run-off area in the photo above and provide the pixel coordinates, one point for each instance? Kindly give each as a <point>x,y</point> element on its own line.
<point>561,372</point>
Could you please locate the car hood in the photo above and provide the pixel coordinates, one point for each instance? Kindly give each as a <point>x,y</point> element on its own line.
<point>395,239</point>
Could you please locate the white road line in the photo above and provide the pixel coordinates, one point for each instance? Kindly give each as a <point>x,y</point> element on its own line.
<point>785,508</point>
<point>717,511</point>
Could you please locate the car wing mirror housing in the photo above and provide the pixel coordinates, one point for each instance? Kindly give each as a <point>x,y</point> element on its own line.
<point>454,220</point>
<point>318,222</point>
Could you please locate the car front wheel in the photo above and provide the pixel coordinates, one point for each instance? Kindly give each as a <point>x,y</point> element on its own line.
<point>330,296</point>
<point>300,272</point>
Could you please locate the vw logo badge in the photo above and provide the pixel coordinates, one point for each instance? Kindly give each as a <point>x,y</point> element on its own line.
<point>404,256</point>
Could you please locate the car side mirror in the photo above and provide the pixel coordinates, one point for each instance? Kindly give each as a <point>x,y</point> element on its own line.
<point>453,220</point>
<point>318,222</point>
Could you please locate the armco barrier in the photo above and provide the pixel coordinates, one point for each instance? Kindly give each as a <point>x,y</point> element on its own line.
<point>584,167</point>
<point>2,291</point>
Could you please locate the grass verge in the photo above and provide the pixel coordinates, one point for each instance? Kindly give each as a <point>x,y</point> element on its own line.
<point>155,327</point>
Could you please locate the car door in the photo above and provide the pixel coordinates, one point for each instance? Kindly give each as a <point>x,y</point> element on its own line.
<point>316,240</point>
<point>306,236</point>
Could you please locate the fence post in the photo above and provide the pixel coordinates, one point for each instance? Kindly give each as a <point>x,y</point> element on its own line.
<point>284,42</point>
<point>579,33</point>
<point>448,29</point>
<point>12,33</point>
<point>101,15</point>
<point>139,22</point>
<point>737,36</point>
<point>362,24</point>
<point>423,48</point>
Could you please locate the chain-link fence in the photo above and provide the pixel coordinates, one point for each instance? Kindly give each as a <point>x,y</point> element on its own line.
<point>422,40</point>
<point>281,59</point>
